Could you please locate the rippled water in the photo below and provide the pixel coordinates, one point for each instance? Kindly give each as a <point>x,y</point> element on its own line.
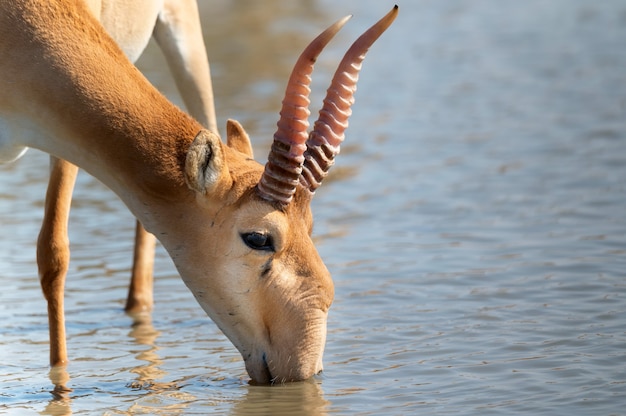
<point>475,226</point>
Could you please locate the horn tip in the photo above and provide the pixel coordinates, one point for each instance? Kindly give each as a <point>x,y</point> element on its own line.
<point>393,13</point>
<point>340,23</point>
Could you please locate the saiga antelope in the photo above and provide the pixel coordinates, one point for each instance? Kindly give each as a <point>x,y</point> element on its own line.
<point>239,233</point>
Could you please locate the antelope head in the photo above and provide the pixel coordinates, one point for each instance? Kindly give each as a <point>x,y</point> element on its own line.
<point>264,283</point>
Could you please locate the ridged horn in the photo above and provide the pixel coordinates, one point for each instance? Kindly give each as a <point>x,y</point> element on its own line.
<point>284,163</point>
<point>328,131</point>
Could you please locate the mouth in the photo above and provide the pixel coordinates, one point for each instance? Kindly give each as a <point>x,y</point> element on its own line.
<point>267,371</point>
<point>266,367</point>
<point>260,374</point>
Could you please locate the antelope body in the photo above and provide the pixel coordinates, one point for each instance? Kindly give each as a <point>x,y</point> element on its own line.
<point>238,232</point>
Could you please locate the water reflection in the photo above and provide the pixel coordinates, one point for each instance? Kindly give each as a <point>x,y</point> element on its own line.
<point>160,397</point>
<point>61,402</point>
<point>150,392</point>
<point>148,374</point>
<point>303,398</point>
<point>144,333</point>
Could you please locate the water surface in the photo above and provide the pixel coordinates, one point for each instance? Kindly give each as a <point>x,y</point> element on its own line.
<point>474,226</point>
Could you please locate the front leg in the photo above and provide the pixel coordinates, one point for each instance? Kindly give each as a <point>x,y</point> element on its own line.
<point>53,252</point>
<point>53,258</point>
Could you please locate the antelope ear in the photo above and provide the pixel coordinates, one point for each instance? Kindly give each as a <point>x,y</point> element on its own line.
<point>205,166</point>
<point>237,138</point>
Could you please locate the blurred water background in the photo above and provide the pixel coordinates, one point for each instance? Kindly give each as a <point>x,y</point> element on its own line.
<point>475,225</point>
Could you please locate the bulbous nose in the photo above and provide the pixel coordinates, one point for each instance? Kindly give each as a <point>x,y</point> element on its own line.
<point>282,366</point>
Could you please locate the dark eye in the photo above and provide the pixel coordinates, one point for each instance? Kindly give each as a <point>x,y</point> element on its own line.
<point>258,241</point>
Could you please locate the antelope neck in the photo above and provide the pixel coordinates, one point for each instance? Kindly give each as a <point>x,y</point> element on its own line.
<point>95,109</point>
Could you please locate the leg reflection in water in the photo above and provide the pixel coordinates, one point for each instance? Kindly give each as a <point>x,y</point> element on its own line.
<point>160,397</point>
<point>60,404</point>
<point>148,395</point>
<point>144,334</point>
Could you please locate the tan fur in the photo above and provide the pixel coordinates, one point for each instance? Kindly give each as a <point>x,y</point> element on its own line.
<point>175,25</point>
<point>69,90</point>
